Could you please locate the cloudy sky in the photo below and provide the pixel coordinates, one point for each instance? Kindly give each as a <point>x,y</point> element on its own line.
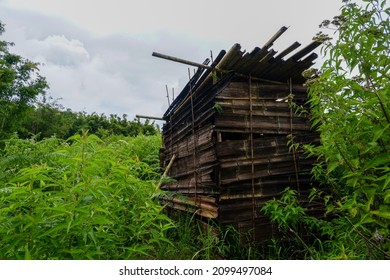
<point>97,54</point>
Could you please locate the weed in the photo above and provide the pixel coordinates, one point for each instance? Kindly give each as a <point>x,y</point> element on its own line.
<point>85,200</point>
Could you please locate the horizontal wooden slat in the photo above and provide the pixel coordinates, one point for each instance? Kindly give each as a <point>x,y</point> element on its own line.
<point>262,124</point>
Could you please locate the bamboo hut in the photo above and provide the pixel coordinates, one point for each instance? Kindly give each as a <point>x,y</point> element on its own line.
<point>230,136</point>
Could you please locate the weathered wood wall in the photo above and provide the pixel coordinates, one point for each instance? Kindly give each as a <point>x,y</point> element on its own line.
<point>235,159</point>
<point>230,130</point>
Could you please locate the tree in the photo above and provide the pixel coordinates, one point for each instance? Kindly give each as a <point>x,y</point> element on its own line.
<point>20,85</point>
<point>47,119</point>
<point>350,98</point>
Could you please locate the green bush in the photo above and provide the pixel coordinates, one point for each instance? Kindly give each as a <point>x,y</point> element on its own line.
<point>79,199</point>
<point>350,99</point>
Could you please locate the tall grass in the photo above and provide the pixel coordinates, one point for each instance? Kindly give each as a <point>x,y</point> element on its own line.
<point>83,198</point>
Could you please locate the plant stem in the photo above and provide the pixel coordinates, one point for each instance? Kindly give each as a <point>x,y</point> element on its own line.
<point>301,240</point>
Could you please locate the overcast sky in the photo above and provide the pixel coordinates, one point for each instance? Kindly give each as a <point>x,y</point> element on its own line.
<point>97,54</point>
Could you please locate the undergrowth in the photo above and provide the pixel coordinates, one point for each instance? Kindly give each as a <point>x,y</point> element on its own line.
<point>92,198</point>
<point>83,198</point>
<point>332,237</point>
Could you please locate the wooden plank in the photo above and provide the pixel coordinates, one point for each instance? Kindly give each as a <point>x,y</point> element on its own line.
<point>263,124</point>
<point>203,140</point>
<point>239,90</point>
<point>185,165</point>
<point>260,107</point>
<point>242,170</point>
<point>267,186</point>
<point>201,205</point>
<point>263,146</point>
<point>203,172</point>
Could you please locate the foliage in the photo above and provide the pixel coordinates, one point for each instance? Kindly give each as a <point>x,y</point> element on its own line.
<point>195,240</point>
<point>349,100</point>
<point>307,237</point>
<point>20,85</point>
<point>83,198</point>
<point>92,198</point>
<point>47,119</point>
<point>350,103</point>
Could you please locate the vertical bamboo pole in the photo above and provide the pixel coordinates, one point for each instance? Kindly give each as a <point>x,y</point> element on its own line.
<point>195,140</point>
<point>290,100</point>
<point>252,159</point>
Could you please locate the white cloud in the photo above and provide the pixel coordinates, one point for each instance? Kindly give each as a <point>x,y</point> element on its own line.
<point>112,74</point>
<point>97,54</point>
<point>58,49</point>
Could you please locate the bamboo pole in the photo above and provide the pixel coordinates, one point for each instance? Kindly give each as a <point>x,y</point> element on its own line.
<point>306,50</point>
<point>183,61</point>
<point>166,171</point>
<point>291,48</point>
<point>149,117</point>
<point>275,37</point>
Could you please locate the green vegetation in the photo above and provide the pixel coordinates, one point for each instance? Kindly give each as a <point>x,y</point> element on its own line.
<point>44,120</point>
<point>350,99</point>
<point>20,85</point>
<point>80,198</point>
<point>88,198</point>
<point>83,186</point>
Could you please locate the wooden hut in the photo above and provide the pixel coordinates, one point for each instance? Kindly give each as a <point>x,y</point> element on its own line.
<point>230,134</point>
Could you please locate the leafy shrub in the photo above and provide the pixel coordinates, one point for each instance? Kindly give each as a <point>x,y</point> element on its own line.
<point>350,101</point>
<point>84,200</point>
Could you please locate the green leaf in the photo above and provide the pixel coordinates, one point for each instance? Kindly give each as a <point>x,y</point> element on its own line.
<point>379,132</point>
<point>92,236</point>
<point>382,214</point>
<point>332,166</point>
<point>379,160</point>
<point>365,219</point>
<point>386,196</point>
<point>27,254</point>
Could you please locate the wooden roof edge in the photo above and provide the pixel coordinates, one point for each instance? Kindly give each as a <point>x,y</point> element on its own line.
<point>226,61</point>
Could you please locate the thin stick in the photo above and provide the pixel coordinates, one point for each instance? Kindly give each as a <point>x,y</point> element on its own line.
<point>166,88</point>
<point>166,171</point>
